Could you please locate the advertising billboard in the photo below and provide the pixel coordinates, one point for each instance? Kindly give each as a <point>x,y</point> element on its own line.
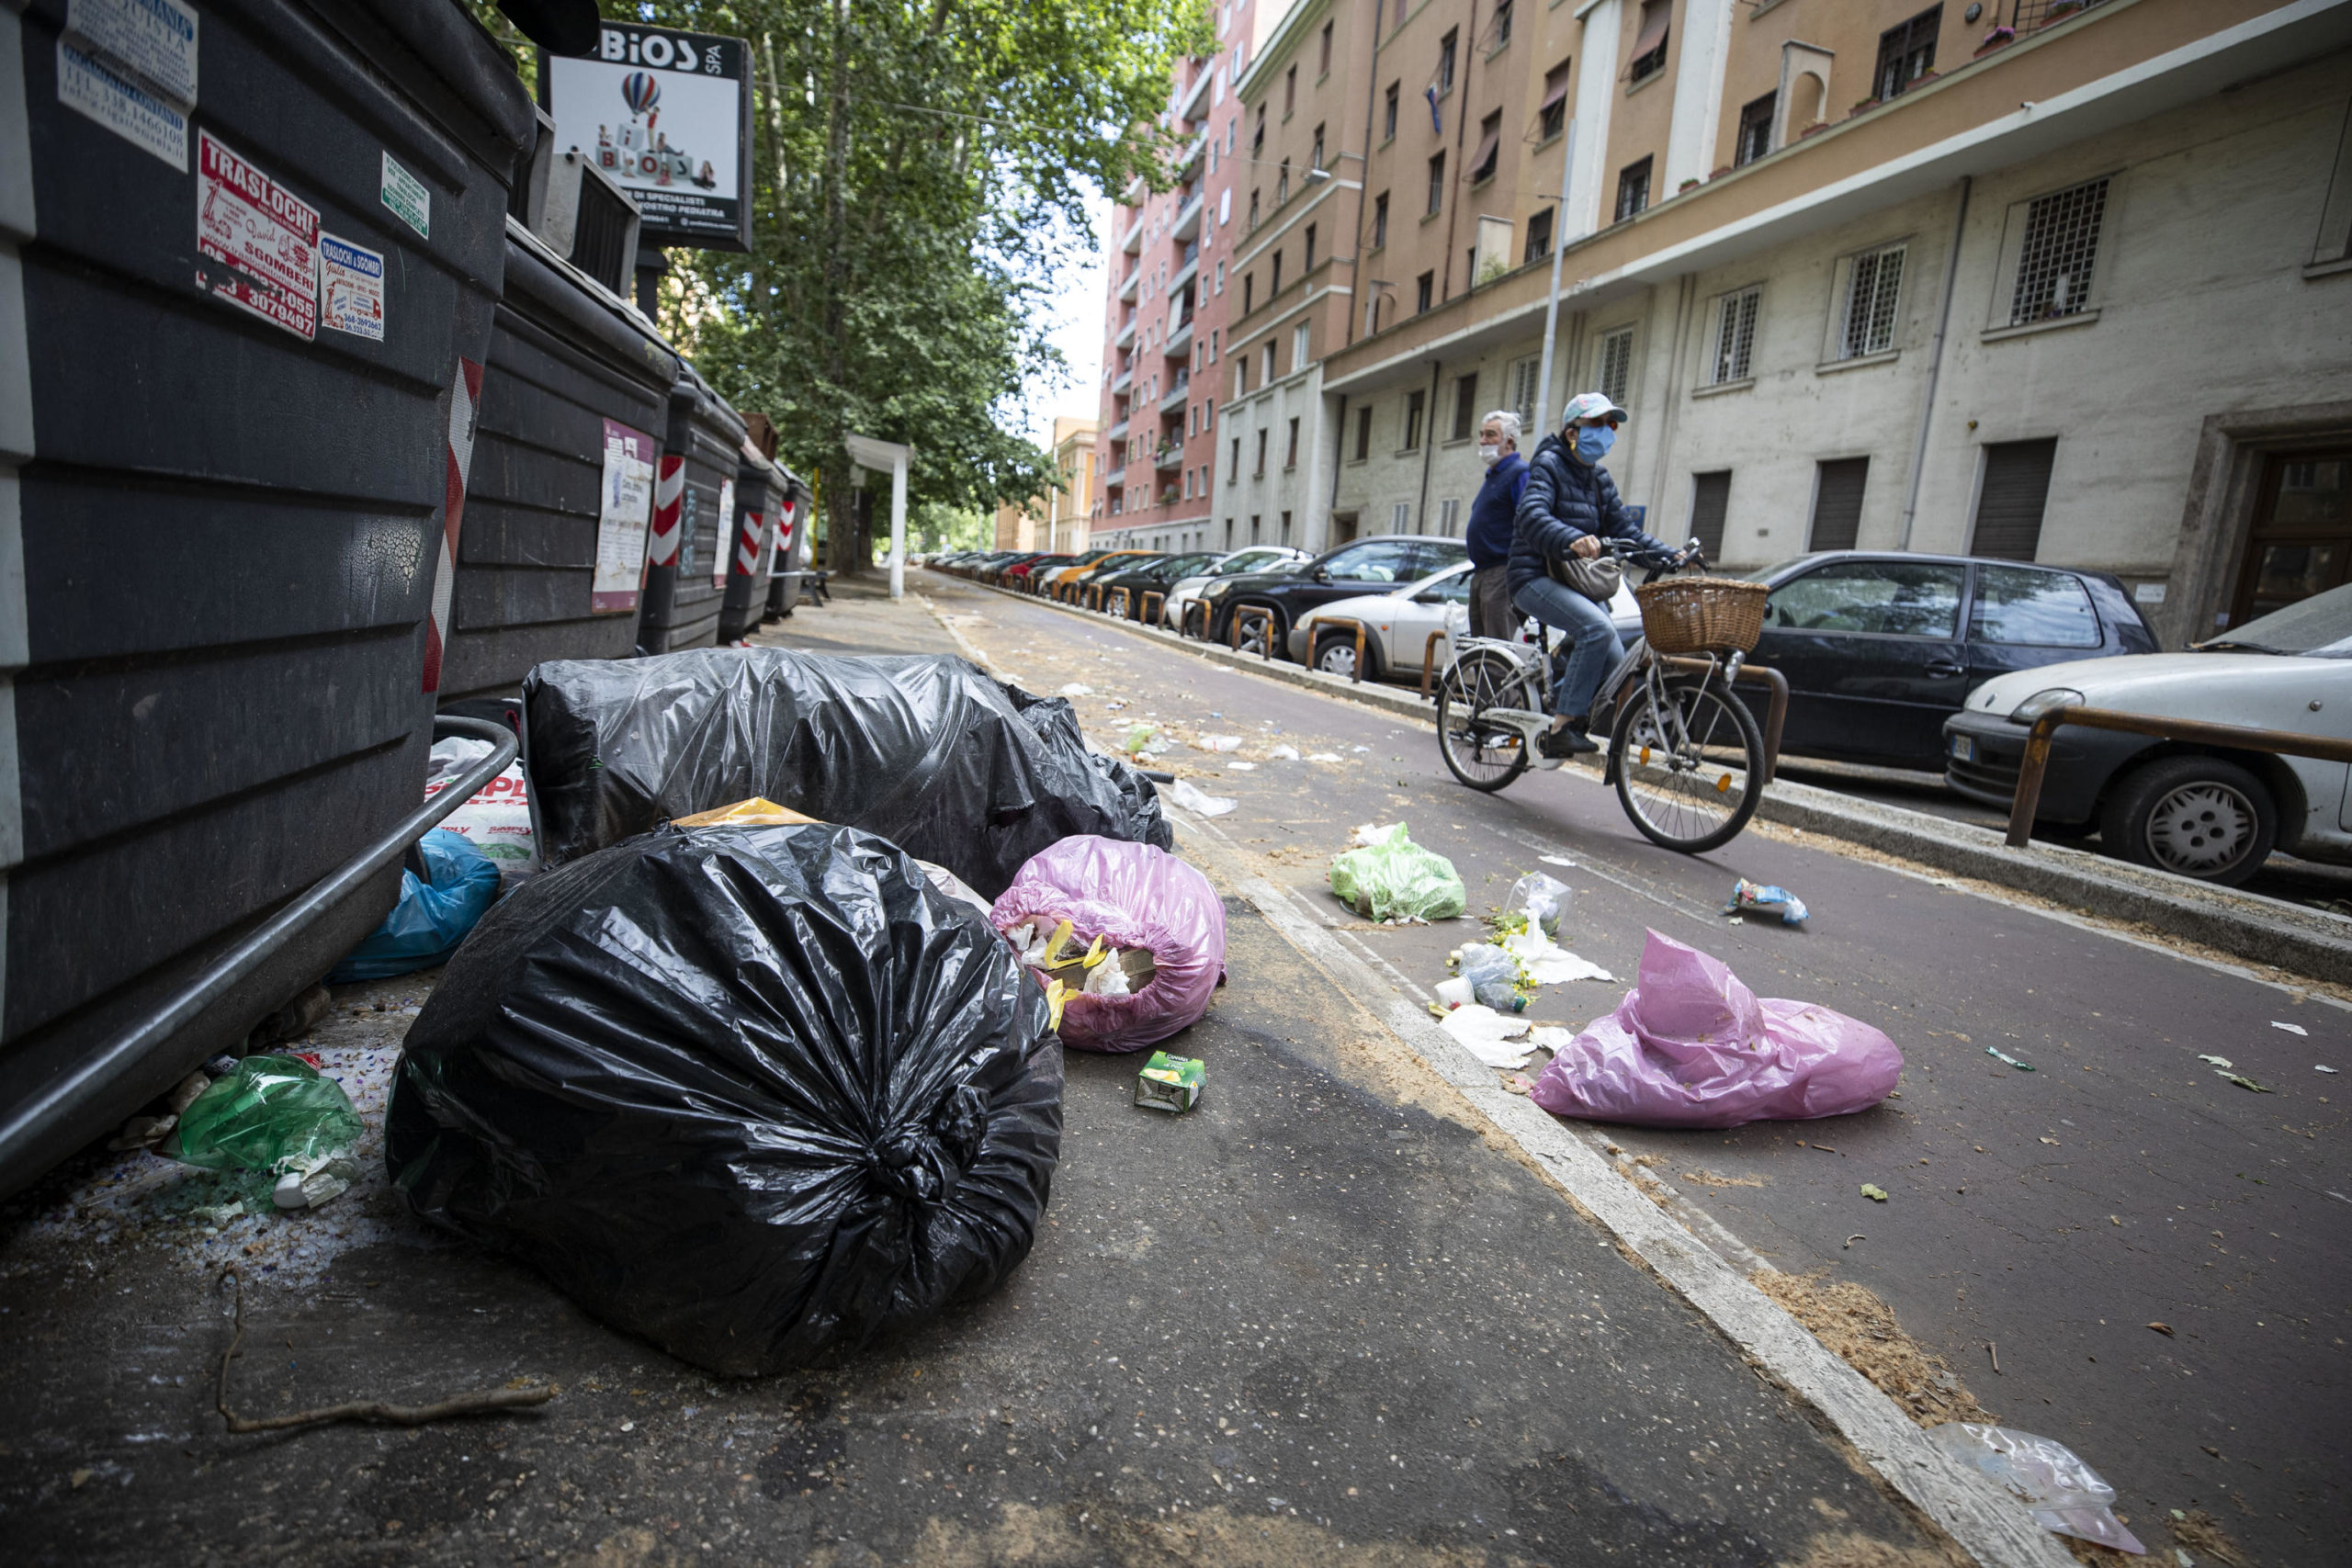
<point>668,116</point>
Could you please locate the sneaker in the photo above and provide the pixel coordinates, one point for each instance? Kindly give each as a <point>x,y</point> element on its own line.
<point>1568,741</point>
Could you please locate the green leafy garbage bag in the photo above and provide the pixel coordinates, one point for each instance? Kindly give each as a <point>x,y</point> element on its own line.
<point>273,1113</point>
<point>1388,877</point>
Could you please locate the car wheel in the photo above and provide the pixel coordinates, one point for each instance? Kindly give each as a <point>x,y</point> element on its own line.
<point>1335,654</point>
<point>2200,816</point>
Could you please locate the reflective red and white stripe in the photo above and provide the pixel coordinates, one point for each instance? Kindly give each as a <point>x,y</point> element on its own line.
<point>747,545</point>
<point>465,400</point>
<point>669,493</point>
<point>783,521</point>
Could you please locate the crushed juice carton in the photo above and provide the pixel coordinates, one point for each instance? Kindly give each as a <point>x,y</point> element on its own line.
<point>1758,898</point>
<point>1171,1083</point>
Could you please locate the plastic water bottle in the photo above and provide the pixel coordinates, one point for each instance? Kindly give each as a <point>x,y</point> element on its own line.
<point>1494,976</point>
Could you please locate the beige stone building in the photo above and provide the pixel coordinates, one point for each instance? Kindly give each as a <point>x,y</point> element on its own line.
<point>1059,519</point>
<point>2033,278</point>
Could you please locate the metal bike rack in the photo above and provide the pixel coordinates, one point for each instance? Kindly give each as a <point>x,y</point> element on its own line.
<point>1265,621</point>
<point>2279,742</point>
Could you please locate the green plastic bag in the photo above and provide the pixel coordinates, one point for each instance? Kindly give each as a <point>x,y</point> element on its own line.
<point>271,1114</point>
<point>1392,878</point>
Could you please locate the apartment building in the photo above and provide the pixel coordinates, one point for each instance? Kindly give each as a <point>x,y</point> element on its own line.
<point>1166,319</point>
<point>2035,279</point>
<point>1059,519</point>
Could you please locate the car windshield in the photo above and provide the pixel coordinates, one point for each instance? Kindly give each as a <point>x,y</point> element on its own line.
<point>2319,627</point>
<point>1445,581</point>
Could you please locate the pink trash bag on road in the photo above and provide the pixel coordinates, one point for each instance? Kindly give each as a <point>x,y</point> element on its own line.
<point>1131,899</point>
<point>1690,1046</point>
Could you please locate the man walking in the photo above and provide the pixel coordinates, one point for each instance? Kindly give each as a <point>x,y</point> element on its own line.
<point>1492,524</point>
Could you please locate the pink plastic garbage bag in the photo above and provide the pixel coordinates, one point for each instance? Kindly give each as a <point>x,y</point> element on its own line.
<point>1133,897</point>
<point>1690,1046</point>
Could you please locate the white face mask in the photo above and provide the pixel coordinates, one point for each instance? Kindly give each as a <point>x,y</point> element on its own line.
<point>1490,456</point>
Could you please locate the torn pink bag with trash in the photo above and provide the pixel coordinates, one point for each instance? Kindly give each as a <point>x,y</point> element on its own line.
<point>1130,895</point>
<point>1690,1046</point>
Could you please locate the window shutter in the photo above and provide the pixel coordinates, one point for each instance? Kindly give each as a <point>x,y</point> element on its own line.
<point>2009,507</point>
<point>1709,499</point>
<point>1837,505</point>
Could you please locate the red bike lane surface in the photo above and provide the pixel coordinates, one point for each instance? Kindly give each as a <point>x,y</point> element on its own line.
<point>2054,1213</point>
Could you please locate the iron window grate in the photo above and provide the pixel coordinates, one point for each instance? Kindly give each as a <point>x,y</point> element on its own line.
<point>1871,297</point>
<point>2061,247</point>
<point>1617,364</point>
<point>1735,334</point>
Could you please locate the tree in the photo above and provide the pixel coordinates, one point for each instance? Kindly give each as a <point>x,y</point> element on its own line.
<point>921,169</point>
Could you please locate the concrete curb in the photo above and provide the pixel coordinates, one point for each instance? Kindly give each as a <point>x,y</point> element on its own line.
<point>2246,926</point>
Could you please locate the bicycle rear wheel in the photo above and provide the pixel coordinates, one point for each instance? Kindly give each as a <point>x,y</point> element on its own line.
<point>1484,755</point>
<point>1689,772</point>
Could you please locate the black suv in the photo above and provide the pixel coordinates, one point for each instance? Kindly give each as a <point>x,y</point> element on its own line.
<point>1365,566</point>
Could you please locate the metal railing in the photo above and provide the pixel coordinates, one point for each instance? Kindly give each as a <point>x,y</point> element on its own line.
<point>1153,599</point>
<point>1263,617</point>
<point>1316,627</point>
<point>2277,742</point>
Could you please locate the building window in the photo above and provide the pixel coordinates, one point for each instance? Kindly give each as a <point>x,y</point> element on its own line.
<point>1281,184</point>
<point>1465,406</point>
<point>1379,221</point>
<point>1448,512</point>
<point>1539,235</point>
<point>2061,244</point>
<point>1710,500</point>
<point>1325,68</point>
<point>1490,140</point>
<point>1837,503</point>
<point>1212,334</point>
<point>1649,44</point>
<point>1290,447</point>
<point>1248,292</point>
<point>1260,472</point>
<point>2009,503</point>
<point>1275,285</point>
<point>1906,53</point>
<point>1445,46</point>
<point>1301,341</point>
<point>1236,474</point>
<point>1267,378</point>
<point>1633,189</point>
<point>1502,22</point>
<point>1755,130</point>
<point>1253,527</point>
<point>1873,286</point>
<point>1525,377</point>
<point>1254,211</point>
<point>1319,149</point>
<point>1208,416</point>
<point>1414,408</point>
<point>1363,433</point>
<point>1400,517</point>
<point>1308,265</point>
<point>1285,538</point>
<point>1614,367</point>
<point>1424,293</point>
<point>1437,184</point>
<point>1552,116</point>
<point>1388,114</point>
<point>1290,91</point>
<point>1734,334</point>
<point>1258,136</point>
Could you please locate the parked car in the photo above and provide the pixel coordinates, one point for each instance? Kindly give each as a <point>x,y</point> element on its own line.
<point>1185,590</point>
<point>1152,577</point>
<point>1023,574</point>
<point>1290,591</point>
<point>1880,650</point>
<point>1077,586</point>
<point>994,570</point>
<point>2208,811</point>
<point>1077,563</point>
<point>1398,626</point>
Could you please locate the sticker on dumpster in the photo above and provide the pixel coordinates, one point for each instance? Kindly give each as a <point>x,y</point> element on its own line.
<point>408,197</point>
<point>628,507</point>
<point>265,236</point>
<point>130,66</point>
<point>351,287</point>
<point>725,526</point>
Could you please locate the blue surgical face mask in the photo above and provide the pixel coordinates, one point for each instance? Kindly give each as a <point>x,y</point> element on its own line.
<point>1594,441</point>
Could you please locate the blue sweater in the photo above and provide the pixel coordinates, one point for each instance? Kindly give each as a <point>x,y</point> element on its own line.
<point>1566,500</point>
<point>1493,514</point>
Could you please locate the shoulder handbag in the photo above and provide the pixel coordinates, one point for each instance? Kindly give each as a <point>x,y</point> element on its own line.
<point>1597,579</point>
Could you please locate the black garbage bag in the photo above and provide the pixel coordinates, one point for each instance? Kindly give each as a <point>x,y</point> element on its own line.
<point>930,751</point>
<point>754,1093</point>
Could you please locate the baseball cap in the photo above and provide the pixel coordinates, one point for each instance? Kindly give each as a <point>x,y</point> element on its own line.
<point>1592,405</point>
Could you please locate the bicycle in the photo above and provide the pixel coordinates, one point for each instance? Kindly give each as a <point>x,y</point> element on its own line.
<point>1685,755</point>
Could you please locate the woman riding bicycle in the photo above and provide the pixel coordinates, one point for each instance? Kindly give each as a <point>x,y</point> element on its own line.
<point>1569,508</point>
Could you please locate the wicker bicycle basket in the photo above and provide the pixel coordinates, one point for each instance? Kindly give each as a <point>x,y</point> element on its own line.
<point>1697,615</point>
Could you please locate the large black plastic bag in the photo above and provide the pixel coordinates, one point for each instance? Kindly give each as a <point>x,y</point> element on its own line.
<point>751,1092</point>
<point>928,750</point>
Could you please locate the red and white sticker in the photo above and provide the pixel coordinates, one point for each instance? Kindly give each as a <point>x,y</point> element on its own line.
<point>265,236</point>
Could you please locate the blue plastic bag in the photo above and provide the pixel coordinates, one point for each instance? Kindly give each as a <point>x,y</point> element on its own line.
<point>425,927</point>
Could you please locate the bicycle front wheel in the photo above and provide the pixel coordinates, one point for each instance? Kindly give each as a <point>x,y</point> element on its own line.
<point>1690,769</point>
<point>1484,755</point>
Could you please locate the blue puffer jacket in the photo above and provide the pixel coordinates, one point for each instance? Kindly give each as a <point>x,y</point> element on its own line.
<point>1565,500</point>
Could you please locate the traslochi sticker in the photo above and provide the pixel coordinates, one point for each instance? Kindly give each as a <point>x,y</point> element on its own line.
<point>264,239</point>
<point>351,289</point>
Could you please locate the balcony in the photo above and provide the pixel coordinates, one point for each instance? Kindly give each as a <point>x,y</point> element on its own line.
<point>1120,388</point>
<point>1133,244</point>
<point>1127,290</point>
<point>1196,98</point>
<point>1173,401</point>
<point>1115,479</point>
<point>1169,455</point>
<point>1188,268</point>
<point>1179,341</point>
<point>1192,157</point>
<point>1188,222</point>
<point>1126,338</point>
<point>1118,432</point>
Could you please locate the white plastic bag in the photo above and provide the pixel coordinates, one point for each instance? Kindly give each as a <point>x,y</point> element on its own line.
<point>1198,803</point>
<point>2067,1496</point>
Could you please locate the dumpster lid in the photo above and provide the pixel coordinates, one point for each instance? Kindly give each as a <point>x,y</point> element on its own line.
<point>461,52</point>
<point>602,316</point>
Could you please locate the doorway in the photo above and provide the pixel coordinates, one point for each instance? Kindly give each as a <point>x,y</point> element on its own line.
<point>2302,538</point>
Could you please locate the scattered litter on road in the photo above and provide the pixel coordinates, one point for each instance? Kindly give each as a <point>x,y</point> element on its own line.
<point>1359,748</point>
<point>1171,1083</point>
<point>2066,1497</point>
<point>1761,898</point>
<point>1242,767</point>
<point>2289,1027</point>
<point>674,1072</point>
<point>432,916</point>
<point>275,1116</point>
<point>2322,1069</point>
<point>1545,963</point>
<point>1518,1083</point>
<point>1077,688</point>
<point>2218,1061</point>
<point>1494,976</point>
<point>1325,756</point>
<point>1690,1047</point>
<point>1284,754</point>
<point>2000,1055</point>
<point>1557,860</point>
<point>1153,923</point>
<point>1387,876</point>
<point>1487,1034</point>
<point>1852,1239</point>
<point>1874,1192</point>
<point>1453,991</point>
<point>2242,1081</point>
<point>1535,902</point>
<point>2163,1328</point>
<point>1139,737</point>
<point>1189,795</point>
<point>1219,743</point>
<point>495,819</point>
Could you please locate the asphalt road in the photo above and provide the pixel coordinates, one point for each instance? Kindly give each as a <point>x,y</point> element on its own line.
<point>1326,1318</point>
<point>2047,1216</point>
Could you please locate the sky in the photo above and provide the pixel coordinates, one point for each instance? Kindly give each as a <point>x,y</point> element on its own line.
<point>1077,333</point>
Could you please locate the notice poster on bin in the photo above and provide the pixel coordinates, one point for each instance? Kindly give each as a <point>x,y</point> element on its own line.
<point>261,241</point>
<point>721,539</point>
<point>667,115</point>
<point>624,512</point>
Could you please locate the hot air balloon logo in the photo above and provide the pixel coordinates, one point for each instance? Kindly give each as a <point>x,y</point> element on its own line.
<point>640,92</point>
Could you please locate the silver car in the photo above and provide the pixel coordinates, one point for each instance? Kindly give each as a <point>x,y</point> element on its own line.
<point>1399,623</point>
<point>1185,590</point>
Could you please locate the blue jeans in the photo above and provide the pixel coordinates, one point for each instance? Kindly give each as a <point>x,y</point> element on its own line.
<point>1591,636</point>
